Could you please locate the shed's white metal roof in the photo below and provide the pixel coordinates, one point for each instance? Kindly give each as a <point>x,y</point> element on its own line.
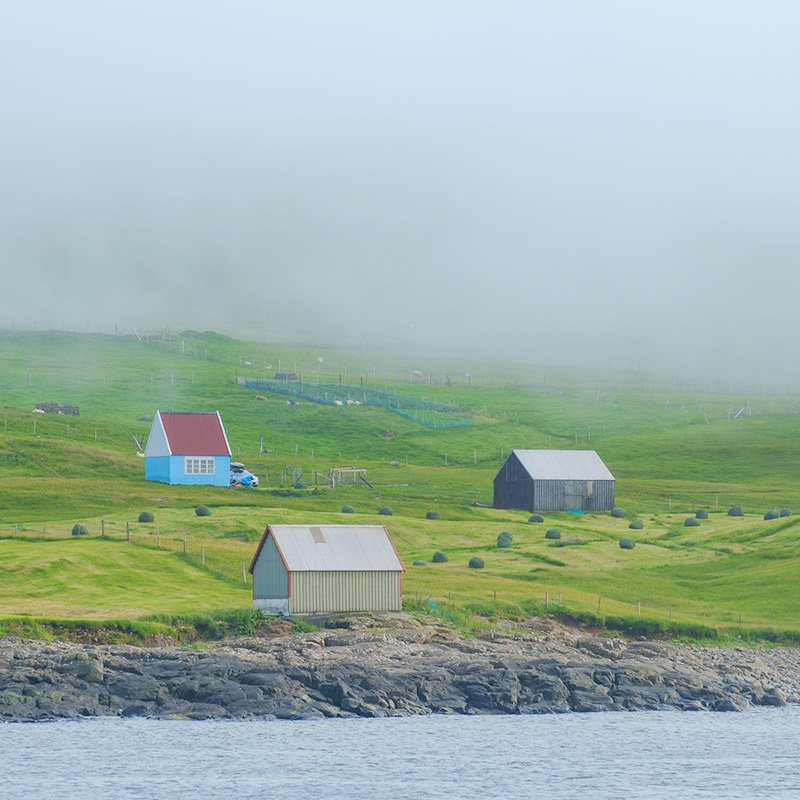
<point>335,548</point>
<point>564,465</point>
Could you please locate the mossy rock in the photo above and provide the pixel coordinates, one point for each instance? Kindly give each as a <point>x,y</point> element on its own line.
<point>418,564</point>
<point>627,544</point>
<point>203,511</point>
<point>636,525</point>
<point>535,518</point>
<point>552,533</point>
<point>79,530</point>
<point>786,512</point>
<point>773,514</point>
<point>348,509</point>
<point>736,511</point>
<point>618,512</point>
<point>146,516</point>
<point>701,513</point>
<point>505,539</point>
<point>385,511</point>
<point>475,563</point>
<point>433,515</point>
<point>439,557</point>
<point>691,522</point>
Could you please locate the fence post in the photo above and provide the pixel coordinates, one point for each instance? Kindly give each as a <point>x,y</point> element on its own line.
<point>128,531</point>
<point>184,544</point>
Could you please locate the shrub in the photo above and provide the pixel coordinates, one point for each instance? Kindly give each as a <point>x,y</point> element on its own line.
<point>618,512</point>
<point>774,514</point>
<point>244,621</point>
<point>348,509</point>
<point>691,522</point>
<point>475,563</point>
<point>701,513</point>
<point>203,511</point>
<point>439,557</point>
<point>300,484</point>
<point>385,511</point>
<point>418,564</point>
<point>79,530</point>
<point>433,515</point>
<point>736,511</point>
<point>553,533</point>
<point>146,516</point>
<point>505,539</point>
<point>785,512</point>
<point>626,544</point>
<point>636,525</point>
<point>535,518</point>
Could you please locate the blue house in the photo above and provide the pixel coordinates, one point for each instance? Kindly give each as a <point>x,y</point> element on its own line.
<point>188,449</point>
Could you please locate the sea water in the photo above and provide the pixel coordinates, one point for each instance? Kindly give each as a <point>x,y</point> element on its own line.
<point>600,756</point>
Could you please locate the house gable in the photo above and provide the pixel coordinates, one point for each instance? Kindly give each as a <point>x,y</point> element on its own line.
<point>157,443</point>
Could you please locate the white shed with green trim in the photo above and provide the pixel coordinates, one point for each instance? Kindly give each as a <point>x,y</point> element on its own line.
<point>307,569</point>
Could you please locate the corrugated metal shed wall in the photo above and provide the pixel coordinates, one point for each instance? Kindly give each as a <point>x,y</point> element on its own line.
<point>567,495</point>
<point>270,578</point>
<point>344,591</point>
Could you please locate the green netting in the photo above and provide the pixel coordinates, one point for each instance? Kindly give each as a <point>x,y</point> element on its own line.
<point>426,412</point>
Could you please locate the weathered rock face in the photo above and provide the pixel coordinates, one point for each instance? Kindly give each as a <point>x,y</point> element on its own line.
<point>57,408</point>
<point>397,671</point>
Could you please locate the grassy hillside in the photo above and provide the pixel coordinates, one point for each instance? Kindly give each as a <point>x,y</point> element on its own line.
<point>669,441</point>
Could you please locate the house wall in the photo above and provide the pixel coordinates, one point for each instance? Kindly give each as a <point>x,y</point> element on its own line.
<point>327,592</point>
<point>221,476</point>
<point>157,469</point>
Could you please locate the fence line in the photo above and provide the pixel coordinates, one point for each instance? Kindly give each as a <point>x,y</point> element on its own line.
<point>332,394</point>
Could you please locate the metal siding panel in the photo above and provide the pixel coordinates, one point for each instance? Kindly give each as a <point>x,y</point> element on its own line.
<point>270,579</point>
<point>329,592</point>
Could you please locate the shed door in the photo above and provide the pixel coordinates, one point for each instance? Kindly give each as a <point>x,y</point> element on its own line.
<point>573,495</point>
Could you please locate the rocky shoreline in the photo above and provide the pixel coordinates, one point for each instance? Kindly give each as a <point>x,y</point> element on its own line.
<point>385,666</point>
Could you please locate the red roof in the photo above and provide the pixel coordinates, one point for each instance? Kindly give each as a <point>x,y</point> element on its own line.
<point>195,434</point>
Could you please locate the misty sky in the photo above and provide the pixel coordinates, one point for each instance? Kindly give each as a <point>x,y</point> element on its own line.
<point>544,180</point>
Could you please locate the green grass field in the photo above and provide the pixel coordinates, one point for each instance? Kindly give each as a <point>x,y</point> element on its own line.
<point>670,443</point>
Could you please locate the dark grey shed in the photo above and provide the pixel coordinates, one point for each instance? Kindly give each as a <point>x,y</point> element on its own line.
<point>554,480</point>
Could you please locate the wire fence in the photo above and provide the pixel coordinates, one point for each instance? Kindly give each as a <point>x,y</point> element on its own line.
<point>426,412</point>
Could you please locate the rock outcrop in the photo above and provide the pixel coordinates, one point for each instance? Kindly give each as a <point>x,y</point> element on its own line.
<point>392,668</point>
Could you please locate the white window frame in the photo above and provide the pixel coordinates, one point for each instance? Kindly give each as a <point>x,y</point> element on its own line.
<point>199,466</point>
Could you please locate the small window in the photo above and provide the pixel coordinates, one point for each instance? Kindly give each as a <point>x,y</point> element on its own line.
<point>200,466</point>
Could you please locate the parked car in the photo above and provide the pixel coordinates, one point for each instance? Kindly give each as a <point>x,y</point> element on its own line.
<point>242,477</point>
